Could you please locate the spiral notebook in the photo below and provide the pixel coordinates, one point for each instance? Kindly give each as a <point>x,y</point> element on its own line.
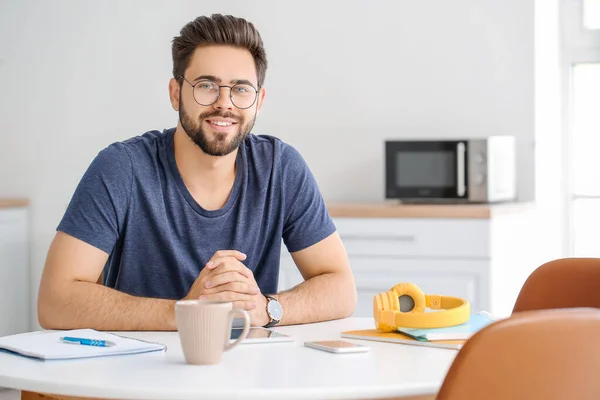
<point>46,345</point>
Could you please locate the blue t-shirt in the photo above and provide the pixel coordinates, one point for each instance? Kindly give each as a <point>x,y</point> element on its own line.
<point>133,204</point>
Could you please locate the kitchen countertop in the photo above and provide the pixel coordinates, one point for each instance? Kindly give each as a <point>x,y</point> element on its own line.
<point>397,210</point>
<point>389,209</point>
<point>13,202</point>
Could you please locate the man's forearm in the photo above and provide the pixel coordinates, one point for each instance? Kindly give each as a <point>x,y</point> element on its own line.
<point>320,298</point>
<point>90,305</point>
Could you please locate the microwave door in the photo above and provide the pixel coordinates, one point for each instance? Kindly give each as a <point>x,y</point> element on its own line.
<point>426,170</point>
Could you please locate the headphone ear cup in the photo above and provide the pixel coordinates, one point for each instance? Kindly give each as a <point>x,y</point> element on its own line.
<point>381,302</point>
<point>378,302</point>
<point>379,305</point>
<point>414,292</point>
<point>392,300</point>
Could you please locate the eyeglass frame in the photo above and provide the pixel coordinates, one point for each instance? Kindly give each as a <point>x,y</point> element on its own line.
<point>219,92</point>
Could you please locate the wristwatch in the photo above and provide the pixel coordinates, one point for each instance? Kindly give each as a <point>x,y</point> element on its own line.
<point>274,311</point>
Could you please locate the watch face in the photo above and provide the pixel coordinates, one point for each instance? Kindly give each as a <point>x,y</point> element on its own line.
<point>275,310</point>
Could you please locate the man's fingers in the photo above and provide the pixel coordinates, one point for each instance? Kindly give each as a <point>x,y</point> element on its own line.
<point>225,278</point>
<point>246,305</point>
<point>238,255</point>
<point>233,297</point>
<point>227,286</point>
<point>227,264</point>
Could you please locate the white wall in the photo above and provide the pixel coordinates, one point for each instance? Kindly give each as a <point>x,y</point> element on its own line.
<point>344,75</point>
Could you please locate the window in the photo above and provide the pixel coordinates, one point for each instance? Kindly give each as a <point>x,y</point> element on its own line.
<point>591,14</point>
<point>581,63</point>
<point>585,130</point>
<point>585,139</point>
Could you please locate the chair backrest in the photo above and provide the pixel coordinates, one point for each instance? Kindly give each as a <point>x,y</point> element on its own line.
<point>562,283</point>
<point>534,355</point>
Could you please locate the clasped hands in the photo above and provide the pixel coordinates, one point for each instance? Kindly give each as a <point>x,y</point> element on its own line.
<point>225,278</point>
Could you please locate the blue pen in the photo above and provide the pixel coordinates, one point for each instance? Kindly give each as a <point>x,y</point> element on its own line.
<point>86,342</point>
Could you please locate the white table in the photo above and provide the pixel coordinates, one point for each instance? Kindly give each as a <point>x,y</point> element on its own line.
<point>250,371</point>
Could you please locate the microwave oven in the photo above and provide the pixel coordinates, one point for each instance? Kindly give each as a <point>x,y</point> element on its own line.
<point>456,171</point>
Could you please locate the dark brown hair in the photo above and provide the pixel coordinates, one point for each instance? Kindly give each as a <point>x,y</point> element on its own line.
<point>218,30</point>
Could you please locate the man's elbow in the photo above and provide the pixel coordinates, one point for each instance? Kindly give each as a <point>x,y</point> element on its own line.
<point>350,296</point>
<point>45,321</point>
<point>49,311</point>
<point>45,316</point>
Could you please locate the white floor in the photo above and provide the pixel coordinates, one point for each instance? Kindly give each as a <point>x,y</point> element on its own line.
<point>6,394</point>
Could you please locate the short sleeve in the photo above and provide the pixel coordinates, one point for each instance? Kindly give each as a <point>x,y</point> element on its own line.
<point>97,211</point>
<point>307,220</point>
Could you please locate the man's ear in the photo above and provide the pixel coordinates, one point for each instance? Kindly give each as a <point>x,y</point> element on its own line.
<point>261,97</point>
<point>174,90</point>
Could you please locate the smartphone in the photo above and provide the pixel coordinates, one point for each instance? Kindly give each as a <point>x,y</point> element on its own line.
<point>337,346</point>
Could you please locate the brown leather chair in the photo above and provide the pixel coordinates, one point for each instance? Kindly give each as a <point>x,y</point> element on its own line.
<point>533,355</point>
<point>562,283</point>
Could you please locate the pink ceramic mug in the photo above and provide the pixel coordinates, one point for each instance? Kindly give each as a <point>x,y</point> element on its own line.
<point>204,328</point>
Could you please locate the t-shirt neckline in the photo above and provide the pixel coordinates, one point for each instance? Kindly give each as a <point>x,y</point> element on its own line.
<point>240,173</point>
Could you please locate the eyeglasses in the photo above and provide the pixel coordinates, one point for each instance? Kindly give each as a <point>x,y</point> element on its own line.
<point>207,92</point>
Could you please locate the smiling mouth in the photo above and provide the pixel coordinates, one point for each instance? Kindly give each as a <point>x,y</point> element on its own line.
<point>221,123</point>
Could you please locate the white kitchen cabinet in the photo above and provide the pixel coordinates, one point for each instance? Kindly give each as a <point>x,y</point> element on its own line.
<point>483,259</point>
<point>14,270</point>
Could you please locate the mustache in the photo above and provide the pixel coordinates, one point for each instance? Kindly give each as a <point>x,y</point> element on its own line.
<point>220,114</point>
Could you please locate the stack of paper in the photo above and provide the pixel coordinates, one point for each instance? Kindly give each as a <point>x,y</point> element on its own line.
<point>46,345</point>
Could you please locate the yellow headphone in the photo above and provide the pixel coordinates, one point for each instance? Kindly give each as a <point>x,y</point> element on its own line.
<point>404,306</point>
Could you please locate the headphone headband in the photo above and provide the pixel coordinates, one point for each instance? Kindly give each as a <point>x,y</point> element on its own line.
<point>389,317</point>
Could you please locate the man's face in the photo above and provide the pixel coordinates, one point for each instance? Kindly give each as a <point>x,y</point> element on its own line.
<point>218,129</point>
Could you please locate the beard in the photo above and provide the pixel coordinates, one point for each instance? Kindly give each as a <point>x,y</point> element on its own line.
<point>218,146</point>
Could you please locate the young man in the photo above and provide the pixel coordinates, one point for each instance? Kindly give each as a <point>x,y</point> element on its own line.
<point>197,211</point>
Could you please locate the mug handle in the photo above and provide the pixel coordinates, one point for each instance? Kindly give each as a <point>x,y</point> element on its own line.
<point>244,314</point>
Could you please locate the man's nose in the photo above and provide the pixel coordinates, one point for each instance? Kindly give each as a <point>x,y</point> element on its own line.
<point>224,100</point>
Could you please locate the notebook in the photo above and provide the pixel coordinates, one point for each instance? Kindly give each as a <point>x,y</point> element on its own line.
<point>457,332</point>
<point>46,345</point>
<point>397,337</point>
